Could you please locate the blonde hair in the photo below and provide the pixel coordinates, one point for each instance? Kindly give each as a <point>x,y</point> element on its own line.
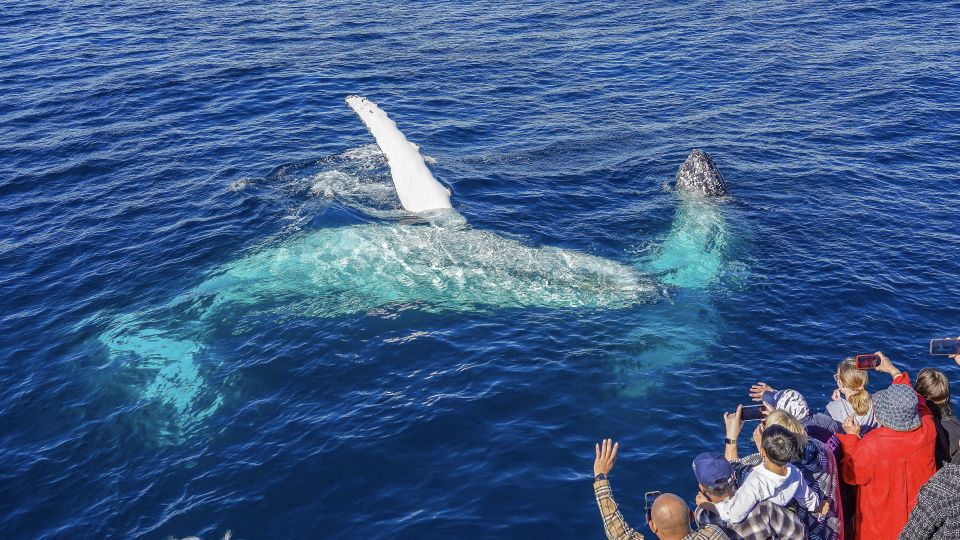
<point>782,418</point>
<point>933,385</point>
<point>856,380</point>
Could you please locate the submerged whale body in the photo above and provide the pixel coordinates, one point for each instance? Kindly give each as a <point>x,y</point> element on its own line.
<point>439,265</point>
<point>361,267</point>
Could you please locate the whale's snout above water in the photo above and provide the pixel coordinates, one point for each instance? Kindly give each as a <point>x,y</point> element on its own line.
<point>699,174</point>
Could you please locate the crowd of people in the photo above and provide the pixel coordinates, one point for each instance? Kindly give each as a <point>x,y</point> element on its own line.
<point>867,467</point>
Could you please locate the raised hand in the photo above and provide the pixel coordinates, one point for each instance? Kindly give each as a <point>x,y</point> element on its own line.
<point>886,365</point>
<point>733,423</point>
<point>757,390</point>
<point>606,456</point>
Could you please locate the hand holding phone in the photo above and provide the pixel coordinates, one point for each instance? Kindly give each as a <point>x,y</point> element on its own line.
<point>945,347</point>
<point>867,361</point>
<point>751,413</point>
<point>733,423</point>
<point>649,497</point>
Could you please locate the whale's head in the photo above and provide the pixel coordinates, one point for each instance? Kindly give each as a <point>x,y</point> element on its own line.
<point>699,174</point>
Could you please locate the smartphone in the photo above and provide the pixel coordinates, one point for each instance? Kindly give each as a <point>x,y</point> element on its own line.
<point>945,347</point>
<point>649,497</point>
<point>751,413</point>
<point>867,361</point>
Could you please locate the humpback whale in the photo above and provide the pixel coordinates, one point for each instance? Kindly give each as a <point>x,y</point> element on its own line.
<point>439,264</point>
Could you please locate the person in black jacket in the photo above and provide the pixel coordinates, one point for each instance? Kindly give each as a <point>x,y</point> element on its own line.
<point>933,385</point>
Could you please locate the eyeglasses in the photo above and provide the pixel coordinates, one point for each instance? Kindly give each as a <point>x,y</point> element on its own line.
<point>836,377</point>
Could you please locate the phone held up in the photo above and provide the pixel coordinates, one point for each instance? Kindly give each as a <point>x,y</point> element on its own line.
<point>649,497</point>
<point>867,361</point>
<point>945,347</point>
<point>751,413</point>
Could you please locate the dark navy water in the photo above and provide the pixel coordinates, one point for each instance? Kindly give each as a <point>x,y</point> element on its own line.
<point>143,146</point>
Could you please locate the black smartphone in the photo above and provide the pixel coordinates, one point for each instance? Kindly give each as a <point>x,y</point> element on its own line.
<point>649,497</point>
<point>751,413</point>
<point>867,361</point>
<point>944,347</point>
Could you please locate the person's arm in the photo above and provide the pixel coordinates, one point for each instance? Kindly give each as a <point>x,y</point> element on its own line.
<point>805,496</point>
<point>736,508</point>
<point>902,377</point>
<point>614,526</point>
<point>734,424</point>
<point>886,366</point>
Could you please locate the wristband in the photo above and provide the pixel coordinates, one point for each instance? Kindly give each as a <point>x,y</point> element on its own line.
<point>599,477</point>
<point>730,441</point>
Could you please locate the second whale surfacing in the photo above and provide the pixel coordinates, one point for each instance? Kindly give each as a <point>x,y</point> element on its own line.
<point>439,265</point>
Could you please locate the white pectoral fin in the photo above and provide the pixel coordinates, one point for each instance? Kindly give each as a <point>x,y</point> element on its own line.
<point>418,190</point>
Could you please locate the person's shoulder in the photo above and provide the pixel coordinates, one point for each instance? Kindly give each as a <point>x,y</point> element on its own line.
<point>710,532</point>
<point>943,489</point>
<point>951,425</point>
<point>838,409</point>
<point>793,473</point>
<point>755,476</point>
<point>948,475</point>
<point>823,420</point>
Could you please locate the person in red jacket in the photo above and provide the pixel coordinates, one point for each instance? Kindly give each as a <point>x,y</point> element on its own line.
<point>890,463</point>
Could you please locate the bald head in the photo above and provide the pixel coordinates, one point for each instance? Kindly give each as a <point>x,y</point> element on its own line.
<point>670,516</point>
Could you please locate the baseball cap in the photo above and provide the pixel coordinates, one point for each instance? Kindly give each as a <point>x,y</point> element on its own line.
<point>710,469</point>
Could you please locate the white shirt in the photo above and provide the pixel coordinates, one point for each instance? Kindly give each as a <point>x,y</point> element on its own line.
<point>761,485</point>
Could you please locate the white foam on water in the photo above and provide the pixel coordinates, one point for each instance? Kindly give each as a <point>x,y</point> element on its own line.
<point>368,155</point>
<point>241,184</point>
<point>354,191</point>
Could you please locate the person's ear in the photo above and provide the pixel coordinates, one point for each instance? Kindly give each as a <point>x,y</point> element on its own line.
<point>653,526</point>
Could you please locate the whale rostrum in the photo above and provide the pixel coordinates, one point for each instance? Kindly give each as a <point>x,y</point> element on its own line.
<point>699,174</point>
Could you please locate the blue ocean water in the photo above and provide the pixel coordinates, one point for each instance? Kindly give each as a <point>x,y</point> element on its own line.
<point>143,147</point>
